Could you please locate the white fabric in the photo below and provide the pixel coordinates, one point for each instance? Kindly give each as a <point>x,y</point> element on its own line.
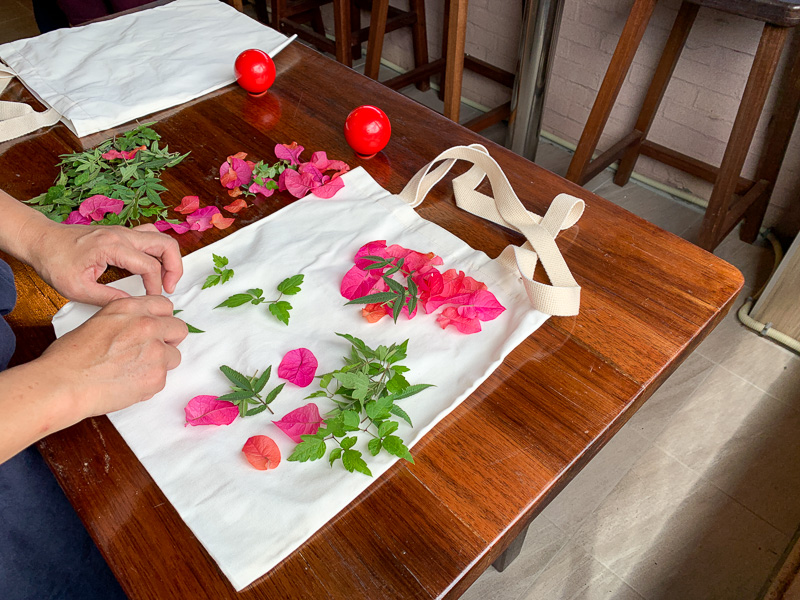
<point>250,520</point>
<point>111,72</point>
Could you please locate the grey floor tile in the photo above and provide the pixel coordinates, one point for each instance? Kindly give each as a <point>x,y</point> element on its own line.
<point>573,574</point>
<point>543,541</point>
<point>753,260</point>
<point>651,419</point>
<point>596,480</point>
<point>743,441</point>
<point>668,533</point>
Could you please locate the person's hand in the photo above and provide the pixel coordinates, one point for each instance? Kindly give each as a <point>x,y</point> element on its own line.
<point>72,257</point>
<point>118,357</point>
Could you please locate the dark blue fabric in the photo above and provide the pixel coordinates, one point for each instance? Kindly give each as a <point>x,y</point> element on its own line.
<point>45,553</point>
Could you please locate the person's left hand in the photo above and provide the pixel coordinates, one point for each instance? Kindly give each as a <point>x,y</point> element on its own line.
<point>72,257</point>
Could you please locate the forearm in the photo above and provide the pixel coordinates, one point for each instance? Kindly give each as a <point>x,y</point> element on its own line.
<point>21,228</point>
<point>34,402</point>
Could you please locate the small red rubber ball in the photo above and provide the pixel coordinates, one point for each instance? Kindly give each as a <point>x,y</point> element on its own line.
<point>254,70</point>
<point>367,130</point>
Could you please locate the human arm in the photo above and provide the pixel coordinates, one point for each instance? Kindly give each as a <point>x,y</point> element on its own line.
<point>72,257</point>
<point>117,358</point>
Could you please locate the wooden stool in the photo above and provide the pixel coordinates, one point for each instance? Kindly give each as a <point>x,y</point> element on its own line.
<point>289,16</point>
<point>451,66</point>
<point>733,197</point>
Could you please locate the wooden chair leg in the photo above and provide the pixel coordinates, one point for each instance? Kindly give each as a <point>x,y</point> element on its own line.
<point>718,222</point>
<point>454,65</point>
<point>278,12</point>
<point>261,11</point>
<point>377,30</point>
<point>445,21</point>
<point>655,93</point>
<point>419,35</point>
<point>784,117</point>
<point>317,23</point>
<point>355,25</point>
<point>609,90</point>
<point>341,25</point>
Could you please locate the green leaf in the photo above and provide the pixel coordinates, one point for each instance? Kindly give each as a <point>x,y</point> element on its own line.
<point>352,461</point>
<point>373,298</point>
<point>219,261</point>
<point>399,412</point>
<point>409,391</point>
<point>281,311</point>
<point>397,307</point>
<point>397,383</point>
<point>311,448</point>
<point>259,383</point>
<point>236,396</point>
<point>291,285</point>
<point>335,454</point>
<point>377,410</point>
<point>325,380</point>
<point>352,380</point>
<point>387,428</point>
<point>236,378</point>
<point>256,292</point>
<point>395,446</point>
<point>193,329</point>
<point>336,426</point>
<point>360,345</point>
<point>395,286</point>
<point>235,300</point>
<point>226,276</point>
<point>317,394</point>
<point>211,280</point>
<point>273,394</point>
<point>254,411</point>
<point>350,419</point>
<point>374,446</point>
<point>348,442</point>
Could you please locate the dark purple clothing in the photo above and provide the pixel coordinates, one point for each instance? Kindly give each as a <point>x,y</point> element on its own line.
<point>45,553</point>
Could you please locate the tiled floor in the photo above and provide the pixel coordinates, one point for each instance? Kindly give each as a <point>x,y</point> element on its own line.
<point>697,496</point>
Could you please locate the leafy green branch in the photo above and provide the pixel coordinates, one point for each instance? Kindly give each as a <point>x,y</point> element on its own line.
<point>221,274</point>
<point>399,295</point>
<point>279,308</point>
<point>247,390</point>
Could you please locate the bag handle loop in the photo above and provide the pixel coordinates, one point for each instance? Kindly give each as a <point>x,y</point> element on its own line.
<point>18,119</point>
<point>562,296</point>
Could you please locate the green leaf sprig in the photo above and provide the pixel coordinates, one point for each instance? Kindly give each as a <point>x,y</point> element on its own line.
<point>247,390</point>
<point>365,391</point>
<point>191,328</point>
<point>221,274</point>
<point>279,308</point>
<point>136,181</point>
<point>266,174</point>
<point>399,295</point>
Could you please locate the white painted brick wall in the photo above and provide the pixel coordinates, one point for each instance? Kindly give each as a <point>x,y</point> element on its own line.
<point>699,106</point>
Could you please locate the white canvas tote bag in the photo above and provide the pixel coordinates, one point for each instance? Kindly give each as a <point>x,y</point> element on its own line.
<point>107,73</point>
<point>202,471</point>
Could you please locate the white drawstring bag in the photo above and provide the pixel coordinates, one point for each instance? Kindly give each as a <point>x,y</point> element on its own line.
<point>107,73</point>
<point>250,520</point>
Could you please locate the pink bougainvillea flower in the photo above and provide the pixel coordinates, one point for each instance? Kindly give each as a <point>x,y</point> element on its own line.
<point>327,187</point>
<point>298,367</point>
<point>207,410</point>
<point>236,171</point>
<point>374,312</point>
<point>188,204</point>
<point>464,318</point>
<point>200,220</point>
<point>357,283</point>
<point>220,222</point>
<point>376,248</point>
<point>289,152</point>
<point>305,420</point>
<point>76,218</point>
<point>487,307</point>
<point>179,227</point>
<point>260,189</point>
<point>95,207</point>
<point>235,206</point>
<point>114,154</point>
<point>296,183</point>
<point>282,179</point>
<point>321,162</point>
<point>262,452</point>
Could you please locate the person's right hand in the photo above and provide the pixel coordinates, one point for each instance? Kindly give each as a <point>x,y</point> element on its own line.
<point>120,356</point>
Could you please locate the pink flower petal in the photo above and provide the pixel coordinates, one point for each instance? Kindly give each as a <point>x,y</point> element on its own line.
<point>76,218</point>
<point>200,220</point>
<point>460,318</point>
<point>179,228</point>
<point>357,283</point>
<point>329,189</point>
<point>188,204</point>
<point>237,205</point>
<point>116,154</point>
<point>298,367</point>
<point>220,222</point>
<point>260,189</point>
<point>207,410</point>
<point>320,160</point>
<point>296,183</point>
<point>235,172</point>
<point>262,452</point>
<point>486,305</point>
<point>305,420</point>
<point>95,207</point>
<point>291,152</point>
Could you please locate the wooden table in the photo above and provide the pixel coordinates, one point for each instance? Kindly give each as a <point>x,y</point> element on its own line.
<point>427,530</point>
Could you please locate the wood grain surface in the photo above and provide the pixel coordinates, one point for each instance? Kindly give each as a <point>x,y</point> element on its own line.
<point>426,530</point>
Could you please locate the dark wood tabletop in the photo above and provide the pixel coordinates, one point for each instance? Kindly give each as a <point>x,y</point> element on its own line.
<point>426,530</point>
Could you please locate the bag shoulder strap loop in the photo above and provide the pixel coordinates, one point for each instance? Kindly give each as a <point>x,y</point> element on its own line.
<point>18,119</point>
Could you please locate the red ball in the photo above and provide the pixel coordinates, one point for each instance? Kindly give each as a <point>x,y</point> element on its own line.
<point>254,70</point>
<point>367,130</point>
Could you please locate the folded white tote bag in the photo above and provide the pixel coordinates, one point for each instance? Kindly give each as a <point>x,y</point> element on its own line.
<point>202,471</point>
<point>107,73</point>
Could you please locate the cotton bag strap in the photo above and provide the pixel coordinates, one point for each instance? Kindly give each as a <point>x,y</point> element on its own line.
<point>562,297</point>
<point>18,119</point>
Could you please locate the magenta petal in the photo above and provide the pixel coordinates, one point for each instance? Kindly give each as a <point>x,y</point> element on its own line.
<point>95,207</point>
<point>296,184</point>
<point>260,189</point>
<point>207,410</point>
<point>176,227</point>
<point>302,421</point>
<point>320,160</point>
<point>329,189</point>
<point>289,152</point>
<point>357,283</point>
<point>298,367</point>
<point>486,305</point>
<point>200,220</point>
<point>76,218</point>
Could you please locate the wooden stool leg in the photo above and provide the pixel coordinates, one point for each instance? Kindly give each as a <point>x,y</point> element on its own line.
<point>278,12</point>
<point>377,30</point>
<point>784,117</point>
<point>419,35</point>
<point>355,26</point>
<point>317,23</point>
<point>445,21</point>
<point>261,11</point>
<point>717,221</point>
<point>655,93</point>
<point>609,90</point>
<point>341,26</point>
<point>454,65</point>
